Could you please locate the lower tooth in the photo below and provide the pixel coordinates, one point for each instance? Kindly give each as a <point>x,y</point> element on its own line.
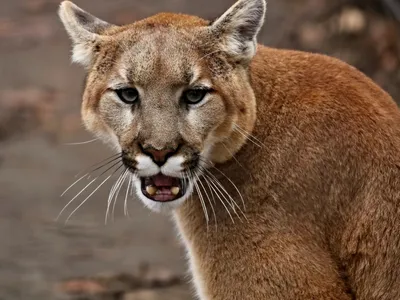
<point>151,190</point>
<point>175,190</point>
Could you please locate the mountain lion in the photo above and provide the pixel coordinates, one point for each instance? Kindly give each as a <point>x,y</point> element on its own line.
<point>281,168</point>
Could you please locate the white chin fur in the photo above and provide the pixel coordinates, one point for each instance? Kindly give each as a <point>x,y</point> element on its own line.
<point>161,207</point>
<point>147,168</point>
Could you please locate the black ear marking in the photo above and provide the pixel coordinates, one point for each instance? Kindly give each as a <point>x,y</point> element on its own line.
<point>97,48</point>
<point>83,18</point>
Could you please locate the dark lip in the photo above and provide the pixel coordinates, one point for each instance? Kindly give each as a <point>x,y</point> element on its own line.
<point>129,164</point>
<point>182,192</point>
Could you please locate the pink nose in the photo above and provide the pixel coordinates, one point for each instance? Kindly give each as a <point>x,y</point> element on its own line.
<point>159,156</point>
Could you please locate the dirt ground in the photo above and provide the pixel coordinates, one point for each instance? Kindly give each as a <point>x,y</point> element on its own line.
<point>136,257</point>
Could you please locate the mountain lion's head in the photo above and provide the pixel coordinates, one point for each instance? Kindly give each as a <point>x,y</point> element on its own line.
<point>170,92</point>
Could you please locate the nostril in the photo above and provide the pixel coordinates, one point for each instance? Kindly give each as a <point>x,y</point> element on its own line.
<point>159,156</point>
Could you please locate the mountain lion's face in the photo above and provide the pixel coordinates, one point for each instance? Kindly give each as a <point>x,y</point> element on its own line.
<point>171,93</point>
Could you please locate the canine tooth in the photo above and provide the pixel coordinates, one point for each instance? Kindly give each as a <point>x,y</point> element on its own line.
<point>175,190</point>
<point>151,190</point>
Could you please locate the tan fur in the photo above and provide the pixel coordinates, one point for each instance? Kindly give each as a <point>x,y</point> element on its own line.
<point>319,175</point>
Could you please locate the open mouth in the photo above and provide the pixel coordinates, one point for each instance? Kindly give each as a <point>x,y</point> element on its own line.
<point>162,188</point>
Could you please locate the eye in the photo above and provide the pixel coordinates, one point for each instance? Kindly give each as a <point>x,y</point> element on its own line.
<point>194,96</point>
<point>128,95</point>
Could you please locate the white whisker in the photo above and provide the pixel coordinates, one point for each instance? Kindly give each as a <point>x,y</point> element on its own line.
<point>217,193</point>
<point>231,182</point>
<point>83,202</point>
<point>111,195</point>
<point>209,201</point>
<point>81,143</point>
<point>233,156</point>
<point>132,188</point>
<point>232,201</point>
<point>76,196</point>
<point>126,213</point>
<point>249,136</point>
<point>75,182</point>
<point>202,202</point>
<point>117,193</point>
<point>250,139</point>
<point>118,162</point>
<point>81,191</point>
<point>102,164</point>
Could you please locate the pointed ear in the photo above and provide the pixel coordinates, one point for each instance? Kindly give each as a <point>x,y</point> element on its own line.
<point>238,27</point>
<point>84,30</point>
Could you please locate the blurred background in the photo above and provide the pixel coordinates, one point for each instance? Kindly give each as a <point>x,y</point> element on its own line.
<point>135,257</point>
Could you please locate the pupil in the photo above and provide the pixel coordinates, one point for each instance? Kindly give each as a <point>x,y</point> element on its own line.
<point>195,95</point>
<point>130,94</point>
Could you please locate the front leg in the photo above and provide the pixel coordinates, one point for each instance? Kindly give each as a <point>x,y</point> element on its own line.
<point>370,248</point>
<point>253,266</point>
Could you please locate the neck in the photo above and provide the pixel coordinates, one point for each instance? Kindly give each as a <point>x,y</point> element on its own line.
<point>223,187</point>
<point>260,84</point>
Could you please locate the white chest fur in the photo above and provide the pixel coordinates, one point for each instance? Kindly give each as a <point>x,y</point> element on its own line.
<point>194,265</point>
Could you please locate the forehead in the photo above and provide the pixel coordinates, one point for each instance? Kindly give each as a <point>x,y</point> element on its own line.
<point>162,55</point>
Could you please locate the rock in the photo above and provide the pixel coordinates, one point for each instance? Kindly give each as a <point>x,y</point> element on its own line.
<point>39,6</point>
<point>311,35</point>
<point>142,295</point>
<point>26,109</point>
<point>147,284</point>
<point>175,293</point>
<point>157,277</point>
<point>26,32</point>
<point>80,287</point>
<point>161,278</point>
<point>389,61</point>
<point>352,21</point>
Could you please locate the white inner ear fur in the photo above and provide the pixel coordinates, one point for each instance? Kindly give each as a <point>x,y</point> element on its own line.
<point>82,54</point>
<point>239,27</point>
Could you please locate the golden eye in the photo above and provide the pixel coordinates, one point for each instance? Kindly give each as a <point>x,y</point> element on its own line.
<point>194,96</point>
<point>128,95</point>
